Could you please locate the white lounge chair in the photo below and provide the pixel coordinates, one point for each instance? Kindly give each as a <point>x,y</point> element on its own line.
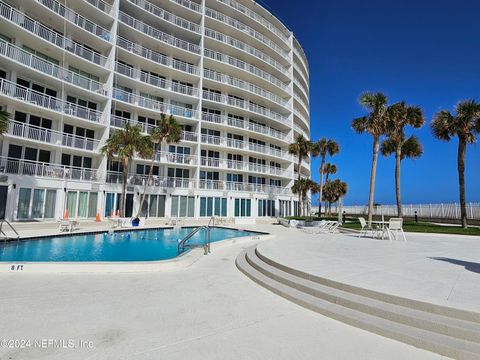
<point>395,226</point>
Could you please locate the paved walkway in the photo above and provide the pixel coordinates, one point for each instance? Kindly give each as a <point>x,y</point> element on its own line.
<point>208,311</point>
<point>443,269</point>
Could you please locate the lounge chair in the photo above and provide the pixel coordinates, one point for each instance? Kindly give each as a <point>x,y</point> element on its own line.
<point>64,226</point>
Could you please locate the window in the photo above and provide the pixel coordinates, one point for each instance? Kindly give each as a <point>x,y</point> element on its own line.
<point>183,206</point>
<point>178,173</point>
<point>84,73</point>
<point>266,208</point>
<point>210,206</point>
<point>156,205</point>
<point>36,203</point>
<point>235,178</point>
<point>183,150</point>
<point>145,170</point>
<point>275,182</point>
<point>243,207</point>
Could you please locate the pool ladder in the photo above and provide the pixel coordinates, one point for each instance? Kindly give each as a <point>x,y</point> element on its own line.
<point>182,244</point>
<point>5,237</point>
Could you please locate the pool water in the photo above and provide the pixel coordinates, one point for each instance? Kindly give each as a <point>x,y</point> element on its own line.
<point>139,245</point>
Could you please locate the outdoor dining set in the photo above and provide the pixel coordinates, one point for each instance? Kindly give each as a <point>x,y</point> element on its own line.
<point>391,228</point>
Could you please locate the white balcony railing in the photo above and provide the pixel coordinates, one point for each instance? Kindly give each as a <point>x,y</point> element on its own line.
<point>301,117</point>
<point>300,85</point>
<point>76,19</point>
<point>299,99</point>
<point>155,105</point>
<point>157,34</point>
<point>166,15</point>
<point>245,85</point>
<point>35,62</point>
<point>157,57</point>
<point>226,59</point>
<point>154,80</point>
<point>193,184</point>
<point>257,17</point>
<point>246,48</point>
<point>189,5</point>
<point>26,95</point>
<point>46,170</point>
<point>244,104</point>
<point>34,27</point>
<point>242,124</point>
<point>102,5</point>
<point>247,30</point>
<point>49,136</point>
<point>241,166</point>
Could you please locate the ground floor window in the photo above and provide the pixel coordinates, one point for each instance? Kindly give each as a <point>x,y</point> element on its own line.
<point>82,204</point>
<point>210,206</point>
<point>36,203</point>
<point>243,207</point>
<point>113,202</point>
<point>266,208</point>
<point>183,206</point>
<point>285,208</point>
<point>153,206</point>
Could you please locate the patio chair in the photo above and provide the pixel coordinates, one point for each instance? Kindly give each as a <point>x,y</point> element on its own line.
<point>395,226</point>
<point>331,227</point>
<point>64,225</point>
<point>365,228</point>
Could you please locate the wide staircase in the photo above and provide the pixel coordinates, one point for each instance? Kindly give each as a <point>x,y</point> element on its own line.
<point>447,331</point>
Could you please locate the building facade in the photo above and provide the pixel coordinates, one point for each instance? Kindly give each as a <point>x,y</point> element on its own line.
<point>73,71</point>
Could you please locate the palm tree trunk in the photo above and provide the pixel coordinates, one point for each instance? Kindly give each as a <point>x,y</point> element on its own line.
<point>462,149</point>
<point>124,187</point>
<point>398,160</point>
<point>320,192</point>
<point>376,145</point>
<point>299,193</point>
<point>150,173</point>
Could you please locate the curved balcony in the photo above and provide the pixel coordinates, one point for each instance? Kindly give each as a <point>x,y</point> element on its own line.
<point>46,34</point>
<point>244,145</point>
<point>101,5</point>
<point>245,105</point>
<point>302,61</point>
<point>154,105</point>
<point>155,81</point>
<point>244,85</point>
<point>167,16</point>
<point>299,99</point>
<point>37,63</point>
<point>28,96</point>
<point>189,5</point>
<point>299,130</point>
<point>257,17</point>
<point>243,187</point>
<point>302,76</point>
<point>57,138</point>
<point>240,45</point>
<point>302,89</point>
<point>157,34</point>
<point>156,57</point>
<point>216,15</point>
<point>226,59</point>
<point>242,124</point>
<point>45,170</point>
<point>76,19</point>
<point>301,117</point>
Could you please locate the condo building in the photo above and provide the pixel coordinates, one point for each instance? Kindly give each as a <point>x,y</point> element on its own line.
<point>74,71</point>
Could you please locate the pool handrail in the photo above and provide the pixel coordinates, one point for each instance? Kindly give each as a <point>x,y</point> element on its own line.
<point>6,237</point>
<point>182,243</point>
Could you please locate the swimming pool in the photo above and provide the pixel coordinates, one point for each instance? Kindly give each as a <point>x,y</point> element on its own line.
<point>138,245</point>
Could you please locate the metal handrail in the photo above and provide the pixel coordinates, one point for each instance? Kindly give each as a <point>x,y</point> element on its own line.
<point>182,243</point>
<point>11,227</point>
<point>212,221</point>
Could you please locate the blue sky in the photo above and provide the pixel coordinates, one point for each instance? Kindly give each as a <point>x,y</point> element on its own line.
<point>424,52</point>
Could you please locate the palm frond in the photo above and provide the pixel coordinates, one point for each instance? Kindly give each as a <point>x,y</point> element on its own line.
<point>443,125</point>
<point>388,147</point>
<point>412,148</point>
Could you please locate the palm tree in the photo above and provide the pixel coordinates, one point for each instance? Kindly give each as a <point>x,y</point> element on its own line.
<point>168,129</point>
<point>375,124</point>
<point>465,124</point>
<point>400,115</point>
<point>301,147</point>
<point>334,190</point>
<point>122,145</point>
<point>330,169</point>
<point>322,148</point>
<point>4,116</point>
<point>303,186</point>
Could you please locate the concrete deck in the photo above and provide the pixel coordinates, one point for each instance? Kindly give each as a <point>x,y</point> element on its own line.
<point>441,269</point>
<point>207,311</point>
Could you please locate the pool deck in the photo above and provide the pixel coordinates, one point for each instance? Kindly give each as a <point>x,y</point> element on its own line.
<point>211,310</point>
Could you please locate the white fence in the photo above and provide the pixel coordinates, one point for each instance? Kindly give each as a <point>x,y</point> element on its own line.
<point>433,211</point>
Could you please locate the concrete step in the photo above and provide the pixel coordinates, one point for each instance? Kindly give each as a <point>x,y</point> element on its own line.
<point>470,316</point>
<point>453,327</point>
<point>450,346</point>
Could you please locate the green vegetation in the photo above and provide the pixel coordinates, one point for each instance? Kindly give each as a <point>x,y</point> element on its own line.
<point>424,227</point>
